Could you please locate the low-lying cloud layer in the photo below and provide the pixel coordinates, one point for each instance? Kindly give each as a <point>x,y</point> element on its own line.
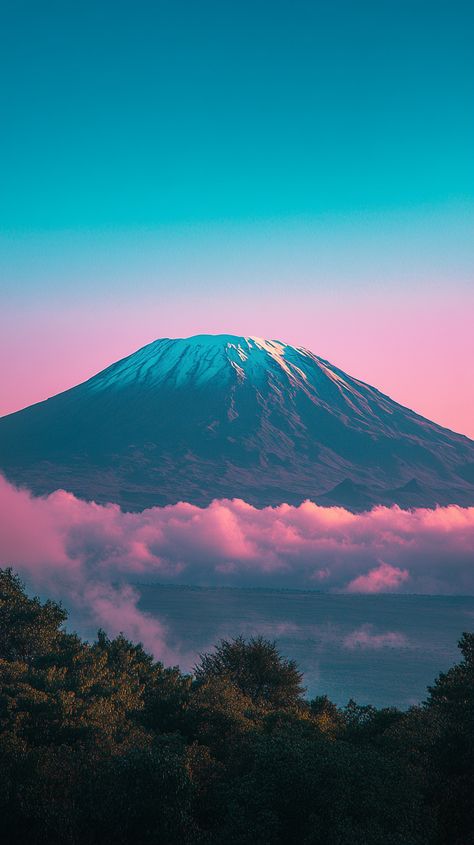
<point>90,554</point>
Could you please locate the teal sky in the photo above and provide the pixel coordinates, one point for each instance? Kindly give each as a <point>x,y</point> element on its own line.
<point>308,159</point>
<point>120,114</point>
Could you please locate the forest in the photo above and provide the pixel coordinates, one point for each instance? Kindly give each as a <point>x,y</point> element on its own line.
<point>100,743</point>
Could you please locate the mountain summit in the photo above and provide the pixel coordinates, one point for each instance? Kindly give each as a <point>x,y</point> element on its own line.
<point>219,416</point>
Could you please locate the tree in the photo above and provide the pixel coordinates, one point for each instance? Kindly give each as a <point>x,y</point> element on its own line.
<point>257,668</point>
<point>219,714</point>
<point>327,716</point>
<point>28,628</point>
<point>450,711</point>
<point>366,724</point>
<point>291,787</point>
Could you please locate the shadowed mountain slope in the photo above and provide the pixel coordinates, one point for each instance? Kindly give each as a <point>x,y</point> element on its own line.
<point>222,416</point>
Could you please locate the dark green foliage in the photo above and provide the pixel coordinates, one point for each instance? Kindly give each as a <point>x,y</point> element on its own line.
<point>450,706</point>
<point>291,787</point>
<point>100,744</point>
<point>257,668</point>
<point>28,628</point>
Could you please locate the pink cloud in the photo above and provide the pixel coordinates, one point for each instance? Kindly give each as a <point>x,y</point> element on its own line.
<point>382,579</point>
<point>365,637</point>
<point>116,610</point>
<point>89,554</point>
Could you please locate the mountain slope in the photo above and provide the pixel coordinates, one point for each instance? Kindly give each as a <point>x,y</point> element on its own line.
<point>222,416</point>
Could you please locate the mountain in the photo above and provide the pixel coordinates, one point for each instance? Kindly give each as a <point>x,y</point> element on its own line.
<point>221,416</point>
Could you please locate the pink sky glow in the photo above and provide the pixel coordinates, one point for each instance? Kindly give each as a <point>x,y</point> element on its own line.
<point>419,352</point>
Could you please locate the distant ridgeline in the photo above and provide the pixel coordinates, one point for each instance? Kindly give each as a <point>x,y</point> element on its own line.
<point>101,744</point>
<point>234,417</point>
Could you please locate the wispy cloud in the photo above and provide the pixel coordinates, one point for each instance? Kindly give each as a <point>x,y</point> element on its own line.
<point>367,638</point>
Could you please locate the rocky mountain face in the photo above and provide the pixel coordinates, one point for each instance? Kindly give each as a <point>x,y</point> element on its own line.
<point>222,417</point>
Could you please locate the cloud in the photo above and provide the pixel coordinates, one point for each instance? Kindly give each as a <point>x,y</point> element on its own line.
<point>383,578</point>
<point>90,555</point>
<point>365,637</point>
<point>115,609</point>
<point>332,635</point>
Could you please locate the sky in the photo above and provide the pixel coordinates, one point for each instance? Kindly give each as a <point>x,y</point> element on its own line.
<point>294,170</point>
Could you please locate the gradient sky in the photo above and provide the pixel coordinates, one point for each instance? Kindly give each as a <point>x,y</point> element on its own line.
<point>299,170</point>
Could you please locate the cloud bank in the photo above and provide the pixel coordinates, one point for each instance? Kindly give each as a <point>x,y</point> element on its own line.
<point>90,555</point>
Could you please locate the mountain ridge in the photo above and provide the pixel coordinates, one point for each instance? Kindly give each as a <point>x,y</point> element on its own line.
<point>227,416</point>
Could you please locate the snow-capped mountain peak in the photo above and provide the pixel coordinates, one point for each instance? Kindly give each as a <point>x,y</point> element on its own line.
<point>233,416</point>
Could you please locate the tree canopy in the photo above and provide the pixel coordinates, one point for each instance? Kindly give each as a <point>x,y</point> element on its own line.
<point>257,668</point>
<point>100,743</point>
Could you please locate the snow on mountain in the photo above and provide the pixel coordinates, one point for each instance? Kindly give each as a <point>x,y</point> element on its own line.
<point>224,416</point>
